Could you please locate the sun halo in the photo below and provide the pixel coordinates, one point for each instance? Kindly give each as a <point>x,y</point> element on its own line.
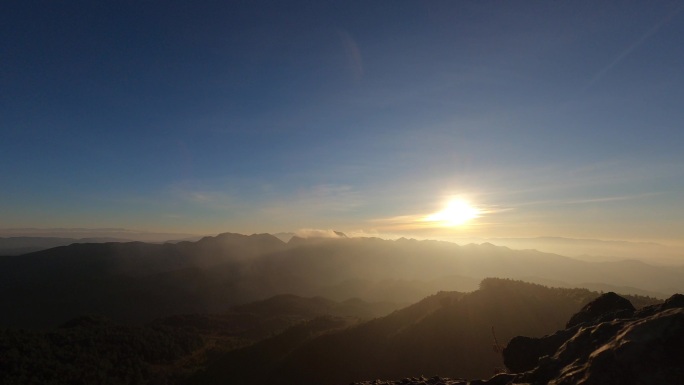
<point>457,212</point>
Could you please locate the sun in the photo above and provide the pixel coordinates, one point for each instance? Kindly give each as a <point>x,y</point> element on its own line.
<point>457,212</point>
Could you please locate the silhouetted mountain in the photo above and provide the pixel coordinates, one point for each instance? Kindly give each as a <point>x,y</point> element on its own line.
<point>285,237</point>
<point>24,245</point>
<point>97,233</point>
<point>131,281</point>
<point>448,334</point>
<point>137,282</point>
<point>336,260</point>
<point>596,286</point>
<point>597,250</point>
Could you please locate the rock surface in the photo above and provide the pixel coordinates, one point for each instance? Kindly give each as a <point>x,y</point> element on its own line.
<point>624,351</point>
<point>604,308</point>
<point>499,379</point>
<point>607,343</point>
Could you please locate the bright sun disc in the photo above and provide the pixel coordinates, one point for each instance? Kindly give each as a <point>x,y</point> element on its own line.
<point>456,213</point>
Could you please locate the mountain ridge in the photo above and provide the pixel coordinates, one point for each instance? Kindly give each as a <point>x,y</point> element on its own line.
<point>137,281</point>
<point>609,343</point>
<point>428,337</point>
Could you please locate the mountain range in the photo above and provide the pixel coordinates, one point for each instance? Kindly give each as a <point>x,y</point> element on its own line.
<point>138,282</point>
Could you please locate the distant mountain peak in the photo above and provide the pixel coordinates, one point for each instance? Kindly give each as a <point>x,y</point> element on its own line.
<point>263,237</point>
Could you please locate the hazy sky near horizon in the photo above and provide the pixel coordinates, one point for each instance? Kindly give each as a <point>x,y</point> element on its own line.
<point>552,118</point>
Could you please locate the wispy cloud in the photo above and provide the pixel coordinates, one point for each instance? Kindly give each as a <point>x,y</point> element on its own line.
<point>317,233</point>
<point>433,220</point>
<point>612,198</point>
<point>211,199</point>
<point>584,201</point>
<point>597,182</point>
<point>352,53</point>
<point>201,195</point>
<point>632,47</point>
<point>317,199</point>
<point>398,223</point>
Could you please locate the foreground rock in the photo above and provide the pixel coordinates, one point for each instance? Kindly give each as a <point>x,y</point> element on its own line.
<point>607,343</point>
<point>500,379</point>
<point>625,351</point>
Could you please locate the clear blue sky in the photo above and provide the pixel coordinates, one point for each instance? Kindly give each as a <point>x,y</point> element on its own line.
<point>553,118</point>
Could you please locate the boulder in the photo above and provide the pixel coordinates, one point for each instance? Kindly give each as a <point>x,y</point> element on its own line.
<point>606,307</point>
<point>625,352</point>
<point>676,301</point>
<point>522,353</point>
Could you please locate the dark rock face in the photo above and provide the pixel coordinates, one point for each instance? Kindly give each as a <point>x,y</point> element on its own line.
<point>607,343</point>
<point>499,379</point>
<point>522,353</point>
<point>606,307</point>
<point>676,301</point>
<point>627,351</point>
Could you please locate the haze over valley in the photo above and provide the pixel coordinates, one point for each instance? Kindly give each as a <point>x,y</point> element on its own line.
<point>335,192</point>
<point>239,302</point>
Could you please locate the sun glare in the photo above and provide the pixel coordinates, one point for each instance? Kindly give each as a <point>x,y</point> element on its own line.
<point>456,213</point>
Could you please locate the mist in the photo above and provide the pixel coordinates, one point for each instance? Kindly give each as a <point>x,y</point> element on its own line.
<point>333,193</point>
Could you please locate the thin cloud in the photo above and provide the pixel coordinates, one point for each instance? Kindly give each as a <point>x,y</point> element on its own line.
<point>352,53</point>
<point>422,221</point>
<point>599,75</point>
<point>584,201</point>
<point>401,223</point>
<point>543,182</point>
<point>215,200</point>
<point>318,199</point>
<point>612,198</point>
<point>317,233</point>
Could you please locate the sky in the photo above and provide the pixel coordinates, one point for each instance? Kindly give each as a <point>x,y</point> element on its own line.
<point>547,118</point>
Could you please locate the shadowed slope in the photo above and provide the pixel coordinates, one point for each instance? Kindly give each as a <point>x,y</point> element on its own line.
<point>448,334</point>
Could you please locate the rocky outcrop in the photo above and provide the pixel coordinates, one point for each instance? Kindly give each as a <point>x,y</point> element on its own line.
<point>626,351</point>
<point>522,353</point>
<point>499,379</point>
<point>607,307</point>
<point>676,301</point>
<point>607,343</point>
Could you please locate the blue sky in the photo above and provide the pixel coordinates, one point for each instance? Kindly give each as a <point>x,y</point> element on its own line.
<point>553,118</point>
